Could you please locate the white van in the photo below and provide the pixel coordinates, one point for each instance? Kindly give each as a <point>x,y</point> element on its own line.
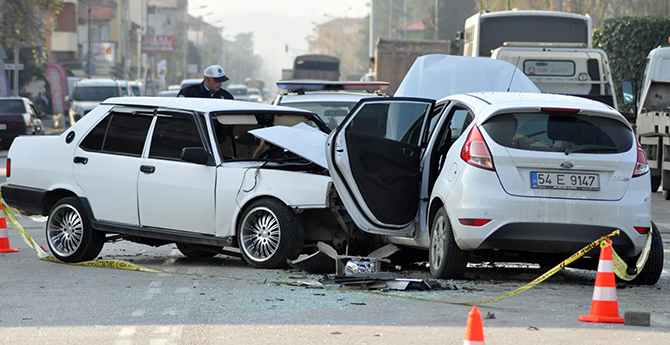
<point>88,93</point>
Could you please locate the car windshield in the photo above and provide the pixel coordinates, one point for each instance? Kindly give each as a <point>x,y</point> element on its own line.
<point>95,93</point>
<point>560,133</point>
<point>333,113</point>
<point>238,92</point>
<point>12,106</point>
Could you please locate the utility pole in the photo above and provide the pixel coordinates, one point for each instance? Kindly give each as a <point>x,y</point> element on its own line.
<point>16,70</point>
<point>436,18</point>
<point>88,65</point>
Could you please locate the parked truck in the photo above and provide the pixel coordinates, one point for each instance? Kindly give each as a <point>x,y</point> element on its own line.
<point>653,115</point>
<point>395,56</point>
<point>565,68</point>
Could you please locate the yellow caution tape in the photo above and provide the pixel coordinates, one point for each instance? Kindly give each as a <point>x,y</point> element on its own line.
<point>549,273</point>
<point>621,267</point>
<point>11,219</point>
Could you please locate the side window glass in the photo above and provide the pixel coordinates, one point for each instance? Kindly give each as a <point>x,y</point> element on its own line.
<point>399,121</point>
<point>171,135</point>
<point>94,140</point>
<point>127,134</point>
<point>459,122</point>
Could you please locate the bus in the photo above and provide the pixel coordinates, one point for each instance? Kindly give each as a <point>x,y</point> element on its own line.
<point>316,66</point>
<point>484,32</point>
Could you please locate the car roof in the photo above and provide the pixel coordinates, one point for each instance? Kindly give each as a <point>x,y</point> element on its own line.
<point>496,101</point>
<point>100,82</point>
<point>200,104</point>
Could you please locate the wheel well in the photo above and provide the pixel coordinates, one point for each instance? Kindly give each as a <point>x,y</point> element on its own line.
<point>434,207</point>
<point>53,197</point>
<point>251,201</point>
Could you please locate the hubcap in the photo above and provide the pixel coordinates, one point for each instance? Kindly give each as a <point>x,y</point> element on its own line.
<point>261,234</point>
<point>437,243</point>
<point>65,230</point>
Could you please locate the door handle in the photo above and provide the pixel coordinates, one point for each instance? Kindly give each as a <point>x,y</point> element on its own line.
<point>82,160</point>
<point>149,169</point>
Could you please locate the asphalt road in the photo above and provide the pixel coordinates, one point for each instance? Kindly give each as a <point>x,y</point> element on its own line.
<point>222,300</point>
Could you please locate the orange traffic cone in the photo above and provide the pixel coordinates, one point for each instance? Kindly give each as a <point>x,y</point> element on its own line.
<point>4,237</point>
<point>604,307</point>
<point>474,330</point>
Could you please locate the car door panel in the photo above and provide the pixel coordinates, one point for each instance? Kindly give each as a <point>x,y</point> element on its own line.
<point>374,158</point>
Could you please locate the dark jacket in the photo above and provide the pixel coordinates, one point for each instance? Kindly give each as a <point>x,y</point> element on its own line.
<point>199,90</point>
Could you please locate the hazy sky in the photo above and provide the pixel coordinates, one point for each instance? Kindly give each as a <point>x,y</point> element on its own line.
<point>275,23</point>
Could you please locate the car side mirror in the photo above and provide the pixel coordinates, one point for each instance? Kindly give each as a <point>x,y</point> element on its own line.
<point>628,94</point>
<point>68,98</point>
<point>196,155</point>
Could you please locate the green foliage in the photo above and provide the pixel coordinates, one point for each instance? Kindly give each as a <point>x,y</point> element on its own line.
<point>627,42</point>
<point>23,21</point>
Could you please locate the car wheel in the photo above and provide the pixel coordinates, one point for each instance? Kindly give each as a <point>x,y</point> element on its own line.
<point>196,251</point>
<point>653,268</point>
<point>446,259</point>
<point>69,233</point>
<point>269,234</point>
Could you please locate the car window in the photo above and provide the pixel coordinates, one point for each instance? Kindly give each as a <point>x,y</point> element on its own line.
<point>171,135</point>
<point>558,132</point>
<point>238,91</point>
<point>95,93</point>
<point>332,113</point>
<point>399,121</point>
<point>12,106</point>
<point>119,133</point>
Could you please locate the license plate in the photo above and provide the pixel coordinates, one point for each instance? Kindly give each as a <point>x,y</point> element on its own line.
<point>3,126</point>
<point>564,180</point>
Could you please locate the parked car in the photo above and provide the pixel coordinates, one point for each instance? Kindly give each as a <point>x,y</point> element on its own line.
<point>17,117</point>
<point>178,170</point>
<point>168,93</point>
<point>239,91</point>
<point>186,83</point>
<point>88,93</point>
<point>331,100</point>
<point>255,95</point>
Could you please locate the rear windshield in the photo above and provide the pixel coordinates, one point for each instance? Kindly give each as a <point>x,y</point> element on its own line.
<point>12,106</point>
<point>560,133</point>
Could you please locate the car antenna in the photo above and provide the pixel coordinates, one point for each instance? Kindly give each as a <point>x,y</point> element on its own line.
<point>516,68</point>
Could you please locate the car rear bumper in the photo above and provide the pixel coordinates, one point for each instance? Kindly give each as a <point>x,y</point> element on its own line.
<point>550,225</point>
<point>28,201</point>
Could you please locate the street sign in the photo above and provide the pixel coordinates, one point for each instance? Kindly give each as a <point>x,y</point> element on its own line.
<point>13,66</point>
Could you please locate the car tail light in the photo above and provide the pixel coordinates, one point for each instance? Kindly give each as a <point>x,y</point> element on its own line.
<point>8,167</point>
<point>473,221</point>
<point>641,166</point>
<point>475,152</point>
<point>642,230</point>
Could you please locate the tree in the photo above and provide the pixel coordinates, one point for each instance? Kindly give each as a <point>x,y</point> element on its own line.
<point>23,21</point>
<point>627,41</point>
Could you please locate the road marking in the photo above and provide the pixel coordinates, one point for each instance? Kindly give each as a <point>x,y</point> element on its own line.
<point>138,312</point>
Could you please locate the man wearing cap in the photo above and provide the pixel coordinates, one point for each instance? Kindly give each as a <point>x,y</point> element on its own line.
<point>210,86</point>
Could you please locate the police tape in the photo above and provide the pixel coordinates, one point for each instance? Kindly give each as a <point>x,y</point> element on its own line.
<point>620,267</point>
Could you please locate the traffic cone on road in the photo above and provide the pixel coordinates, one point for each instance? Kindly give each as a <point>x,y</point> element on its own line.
<point>4,236</point>
<point>474,329</point>
<point>604,306</point>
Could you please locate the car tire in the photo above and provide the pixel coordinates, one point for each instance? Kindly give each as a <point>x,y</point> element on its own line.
<point>195,251</point>
<point>651,272</point>
<point>69,233</point>
<point>447,260</point>
<point>269,234</point>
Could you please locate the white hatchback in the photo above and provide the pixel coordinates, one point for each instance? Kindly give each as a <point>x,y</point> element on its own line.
<point>495,176</point>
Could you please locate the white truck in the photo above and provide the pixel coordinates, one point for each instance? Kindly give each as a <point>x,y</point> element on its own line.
<point>564,68</point>
<point>653,116</point>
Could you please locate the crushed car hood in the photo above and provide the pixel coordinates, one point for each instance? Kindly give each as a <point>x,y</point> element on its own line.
<point>301,139</point>
<point>437,76</point>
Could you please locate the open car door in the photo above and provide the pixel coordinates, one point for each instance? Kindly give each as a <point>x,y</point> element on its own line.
<point>374,160</point>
